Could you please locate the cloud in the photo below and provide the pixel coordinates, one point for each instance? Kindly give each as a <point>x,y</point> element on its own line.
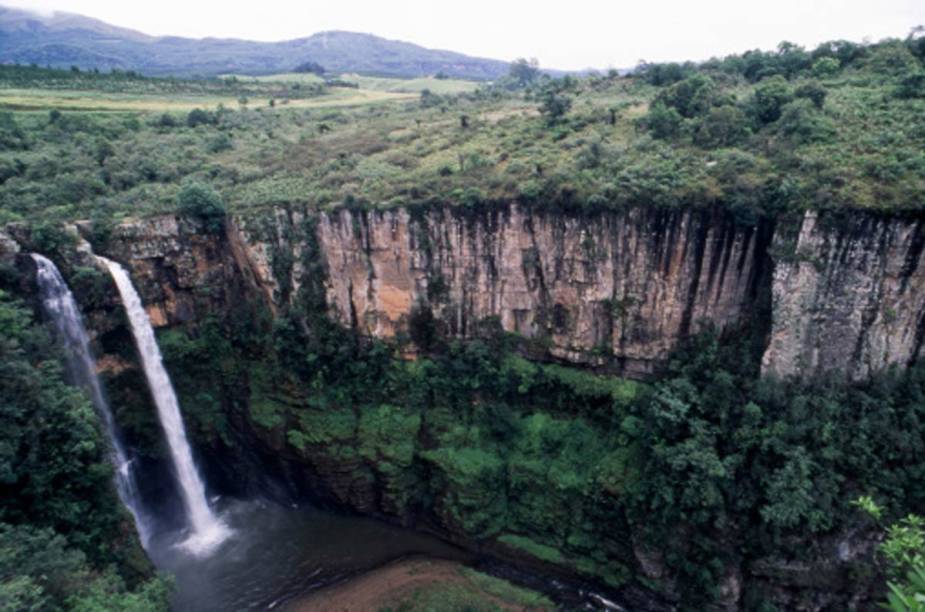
<point>42,8</point>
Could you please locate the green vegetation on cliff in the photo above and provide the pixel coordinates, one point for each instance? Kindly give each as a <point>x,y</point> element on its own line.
<point>835,127</point>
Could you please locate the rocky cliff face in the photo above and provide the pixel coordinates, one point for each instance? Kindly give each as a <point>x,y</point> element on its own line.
<point>612,290</point>
<point>848,296</point>
<point>623,287</point>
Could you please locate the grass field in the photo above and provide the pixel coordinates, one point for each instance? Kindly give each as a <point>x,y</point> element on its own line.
<point>89,101</point>
<point>437,86</point>
<point>391,85</point>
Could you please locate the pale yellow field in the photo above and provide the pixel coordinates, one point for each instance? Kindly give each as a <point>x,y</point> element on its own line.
<point>437,86</point>
<point>41,100</point>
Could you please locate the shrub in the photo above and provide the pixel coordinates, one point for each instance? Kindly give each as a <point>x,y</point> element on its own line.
<point>913,86</point>
<point>201,201</point>
<point>770,97</point>
<point>662,121</point>
<point>812,91</point>
<point>825,67</point>
<point>221,142</point>
<point>12,137</point>
<point>197,116</point>
<point>166,120</point>
<point>724,126</point>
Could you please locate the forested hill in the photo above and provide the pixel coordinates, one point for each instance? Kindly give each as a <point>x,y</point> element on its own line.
<point>64,39</point>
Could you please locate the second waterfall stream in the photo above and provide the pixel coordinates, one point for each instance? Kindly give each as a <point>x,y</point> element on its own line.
<point>207,530</point>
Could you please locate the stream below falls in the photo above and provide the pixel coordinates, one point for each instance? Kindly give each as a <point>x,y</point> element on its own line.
<point>279,553</point>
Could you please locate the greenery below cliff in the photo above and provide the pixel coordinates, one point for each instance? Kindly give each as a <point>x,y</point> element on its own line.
<point>707,471</point>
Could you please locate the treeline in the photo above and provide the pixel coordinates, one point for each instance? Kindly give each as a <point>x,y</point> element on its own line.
<point>694,99</point>
<point>793,61</point>
<point>129,81</point>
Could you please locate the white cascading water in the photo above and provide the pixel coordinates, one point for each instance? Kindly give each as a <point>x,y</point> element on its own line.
<point>208,531</point>
<point>61,308</point>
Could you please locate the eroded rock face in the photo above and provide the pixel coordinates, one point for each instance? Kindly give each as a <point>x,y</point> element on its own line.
<point>848,296</point>
<point>180,271</point>
<point>617,290</point>
<point>613,288</point>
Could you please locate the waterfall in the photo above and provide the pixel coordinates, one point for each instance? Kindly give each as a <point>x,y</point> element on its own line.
<point>60,307</point>
<point>207,530</point>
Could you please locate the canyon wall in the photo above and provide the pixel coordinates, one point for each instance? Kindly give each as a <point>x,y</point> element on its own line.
<point>848,296</point>
<point>612,290</point>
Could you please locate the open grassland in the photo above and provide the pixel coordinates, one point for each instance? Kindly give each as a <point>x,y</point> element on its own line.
<point>437,86</point>
<point>89,101</point>
<point>393,85</point>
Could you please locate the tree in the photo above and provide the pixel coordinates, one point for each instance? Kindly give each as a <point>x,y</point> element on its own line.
<point>662,74</point>
<point>524,71</point>
<point>201,201</point>
<point>310,67</point>
<point>802,123</point>
<point>904,552</point>
<point>791,58</point>
<point>723,126</point>
<point>814,92</point>
<point>662,121</point>
<point>691,97</point>
<point>825,67</point>
<point>770,96</point>
<point>554,106</point>
<point>197,117</point>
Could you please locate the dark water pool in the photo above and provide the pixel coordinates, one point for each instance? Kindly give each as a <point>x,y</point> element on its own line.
<point>277,554</point>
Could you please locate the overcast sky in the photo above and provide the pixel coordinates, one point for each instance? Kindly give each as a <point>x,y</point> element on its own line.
<point>569,34</point>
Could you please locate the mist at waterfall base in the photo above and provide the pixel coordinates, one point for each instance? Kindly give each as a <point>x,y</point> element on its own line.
<point>279,553</point>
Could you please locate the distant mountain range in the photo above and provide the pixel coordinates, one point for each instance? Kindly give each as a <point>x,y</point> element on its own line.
<point>65,39</point>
